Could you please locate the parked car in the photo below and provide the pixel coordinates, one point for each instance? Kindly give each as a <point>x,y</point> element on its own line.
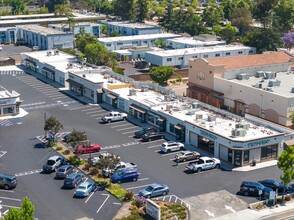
<point>274,185</point>
<point>114,116</point>
<point>154,190</point>
<point>142,131</point>
<point>170,146</point>
<point>187,155</point>
<point>73,180</point>
<point>204,163</point>
<point>90,148</point>
<point>63,171</point>
<point>1,48</point>
<point>85,189</point>
<point>151,136</point>
<point>53,163</point>
<point>106,172</point>
<point>125,175</point>
<point>253,188</point>
<point>7,181</point>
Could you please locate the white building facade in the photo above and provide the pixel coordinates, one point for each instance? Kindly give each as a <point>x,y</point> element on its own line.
<point>9,102</point>
<point>8,35</point>
<point>90,28</point>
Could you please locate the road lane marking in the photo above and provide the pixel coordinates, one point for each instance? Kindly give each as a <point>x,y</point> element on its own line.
<point>148,142</point>
<point>103,202</point>
<point>130,132</point>
<point>116,203</point>
<point>153,146</point>
<point>137,187</point>
<point>116,126</point>
<point>122,129</point>
<point>209,213</point>
<point>143,179</point>
<point>7,198</point>
<point>28,172</point>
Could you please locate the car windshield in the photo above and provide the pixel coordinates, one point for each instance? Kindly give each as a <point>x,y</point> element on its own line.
<point>149,189</point>
<point>181,154</point>
<point>61,170</point>
<point>119,172</point>
<point>82,187</point>
<point>50,162</point>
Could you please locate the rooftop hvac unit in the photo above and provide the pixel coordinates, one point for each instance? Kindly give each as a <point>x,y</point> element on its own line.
<point>191,112</point>
<point>274,82</point>
<point>292,90</point>
<point>211,117</point>
<point>238,132</point>
<point>259,74</point>
<point>242,76</point>
<point>49,53</point>
<point>169,107</point>
<point>245,126</point>
<point>198,116</point>
<point>110,80</point>
<point>56,52</point>
<point>258,85</point>
<point>144,89</point>
<point>132,92</point>
<point>269,75</point>
<point>195,105</point>
<point>167,98</point>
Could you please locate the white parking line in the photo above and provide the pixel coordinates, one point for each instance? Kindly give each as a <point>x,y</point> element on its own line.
<point>130,132</point>
<point>89,197</point>
<point>164,155</point>
<point>19,200</point>
<point>86,180</point>
<point>9,191</point>
<point>55,95</point>
<point>153,146</point>
<point>103,202</point>
<point>116,203</point>
<point>10,206</point>
<point>130,135</point>
<point>136,187</point>
<point>98,114</point>
<point>152,141</point>
<point>78,108</point>
<point>61,97</point>
<point>28,172</point>
<point>122,129</point>
<point>116,126</point>
<point>143,179</point>
<point>94,111</point>
<point>89,108</point>
<point>118,122</point>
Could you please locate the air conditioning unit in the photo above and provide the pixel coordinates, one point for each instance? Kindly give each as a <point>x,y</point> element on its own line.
<point>132,92</point>
<point>195,105</point>
<point>191,112</point>
<point>167,98</point>
<point>144,89</point>
<point>198,116</point>
<point>211,117</point>
<point>56,52</point>
<point>169,107</point>
<point>245,126</point>
<point>241,76</point>
<point>258,85</point>
<point>274,82</point>
<point>259,74</point>
<point>110,80</point>
<point>292,90</point>
<point>238,132</point>
<point>269,75</point>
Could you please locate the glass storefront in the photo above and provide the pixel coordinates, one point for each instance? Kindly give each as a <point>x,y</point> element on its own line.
<point>206,144</point>
<point>269,152</point>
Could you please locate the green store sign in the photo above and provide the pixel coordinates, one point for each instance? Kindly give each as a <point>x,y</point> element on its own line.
<point>208,134</point>
<point>258,143</point>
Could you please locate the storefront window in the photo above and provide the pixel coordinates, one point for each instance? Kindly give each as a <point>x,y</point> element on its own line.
<point>8,110</point>
<point>246,156</point>
<point>238,157</point>
<point>107,99</point>
<point>150,118</point>
<point>171,128</point>
<point>131,111</point>
<point>121,104</point>
<point>269,152</point>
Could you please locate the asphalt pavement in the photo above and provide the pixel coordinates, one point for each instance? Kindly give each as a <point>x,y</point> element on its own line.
<point>25,154</point>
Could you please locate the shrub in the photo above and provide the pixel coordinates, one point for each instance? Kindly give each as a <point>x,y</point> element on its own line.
<point>59,148</point>
<point>117,191</point>
<point>94,171</point>
<point>87,167</point>
<point>66,152</point>
<point>129,195</point>
<point>139,201</point>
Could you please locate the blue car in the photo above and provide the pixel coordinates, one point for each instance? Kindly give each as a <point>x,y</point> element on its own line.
<point>274,185</point>
<point>154,190</point>
<point>73,180</point>
<point>85,189</point>
<point>125,175</point>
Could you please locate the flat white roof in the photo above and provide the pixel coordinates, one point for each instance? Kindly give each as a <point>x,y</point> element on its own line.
<point>6,94</point>
<point>8,17</point>
<point>189,51</point>
<point>131,24</point>
<point>76,25</point>
<point>193,41</point>
<point>284,89</point>
<point>41,30</point>
<point>137,37</point>
<point>222,126</point>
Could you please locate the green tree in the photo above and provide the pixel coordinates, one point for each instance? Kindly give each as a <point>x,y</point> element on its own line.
<point>82,39</point>
<point>284,15</point>
<point>142,10</point>
<point>118,70</point>
<point>242,19</point>
<point>161,74</point>
<point>286,164</point>
<point>228,33</point>
<point>97,54</point>
<point>160,43</point>
<point>108,161</point>
<point>76,138</point>
<point>212,15</point>
<point>124,9</point>
<point>18,6</point>
<point>53,125</point>
<point>265,39</point>
<point>63,10</point>
<point>263,11</point>
<point>71,23</point>
<point>26,211</point>
<point>43,10</point>
<point>103,29</point>
<point>228,8</point>
<point>52,3</point>
<point>292,118</point>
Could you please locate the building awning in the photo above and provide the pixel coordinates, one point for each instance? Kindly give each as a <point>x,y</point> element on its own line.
<point>137,108</point>
<point>179,127</point>
<point>31,62</point>
<point>112,96</point>
<point>289,143</point>
<point>48,70</point>
<point>100,91</point>
<point>74,83</point>
<point>161,119</point>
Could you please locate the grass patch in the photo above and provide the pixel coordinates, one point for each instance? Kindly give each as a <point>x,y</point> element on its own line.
<point>133,216</point>
<point>117,191</point>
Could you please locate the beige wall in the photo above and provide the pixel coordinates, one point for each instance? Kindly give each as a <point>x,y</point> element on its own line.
<point>202,74</point>
<point>274,107</point>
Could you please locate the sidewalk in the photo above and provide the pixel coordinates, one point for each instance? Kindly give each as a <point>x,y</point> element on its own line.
<point>265,213</point>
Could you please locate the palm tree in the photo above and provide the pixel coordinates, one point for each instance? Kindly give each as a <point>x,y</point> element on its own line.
<point>53,125</point>
<point>71,23</point>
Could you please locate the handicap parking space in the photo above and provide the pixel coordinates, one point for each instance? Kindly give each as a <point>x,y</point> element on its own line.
<point>8,199</point>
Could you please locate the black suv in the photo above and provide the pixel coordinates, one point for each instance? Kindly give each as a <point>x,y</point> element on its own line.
<point>151,136</point>
<point>253,188</point>
<point>7,181</point>
<point>142,131</point>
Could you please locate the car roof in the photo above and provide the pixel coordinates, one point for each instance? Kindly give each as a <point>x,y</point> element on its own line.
<point>154,185</point>
<point>65,166</point>
<point>6,175</point>
<point>205,158</point>
<point>268,181</point>
<point>71,175</point>
<point>86,183</point>
<point>114,112</point>
<point>54,157</point>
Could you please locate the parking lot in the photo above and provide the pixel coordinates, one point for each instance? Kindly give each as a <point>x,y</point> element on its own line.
<point>23,144</point>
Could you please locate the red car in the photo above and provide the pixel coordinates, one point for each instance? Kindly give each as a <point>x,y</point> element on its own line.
<point>91,148</point>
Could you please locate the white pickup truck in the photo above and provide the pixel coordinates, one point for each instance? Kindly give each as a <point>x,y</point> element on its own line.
<point>114,116</point>
<point>121,165</point>
<point>204,163</point>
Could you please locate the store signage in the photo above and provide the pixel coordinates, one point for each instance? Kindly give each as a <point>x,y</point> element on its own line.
<point>258,143</point>
<point>153,209</point>
<point>7,101</point>
<point>208,134</point>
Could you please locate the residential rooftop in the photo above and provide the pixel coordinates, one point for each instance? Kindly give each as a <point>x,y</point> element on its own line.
<point>251,60</point>
<point>40,29</point>
<point>190,51</point>
<point>76,25</point>
<point>282,84</point>
<point>215,122</point>
<point>197,43</point>
<point>137,37</point>
<point>129,24</point>
<point>9,17</point>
